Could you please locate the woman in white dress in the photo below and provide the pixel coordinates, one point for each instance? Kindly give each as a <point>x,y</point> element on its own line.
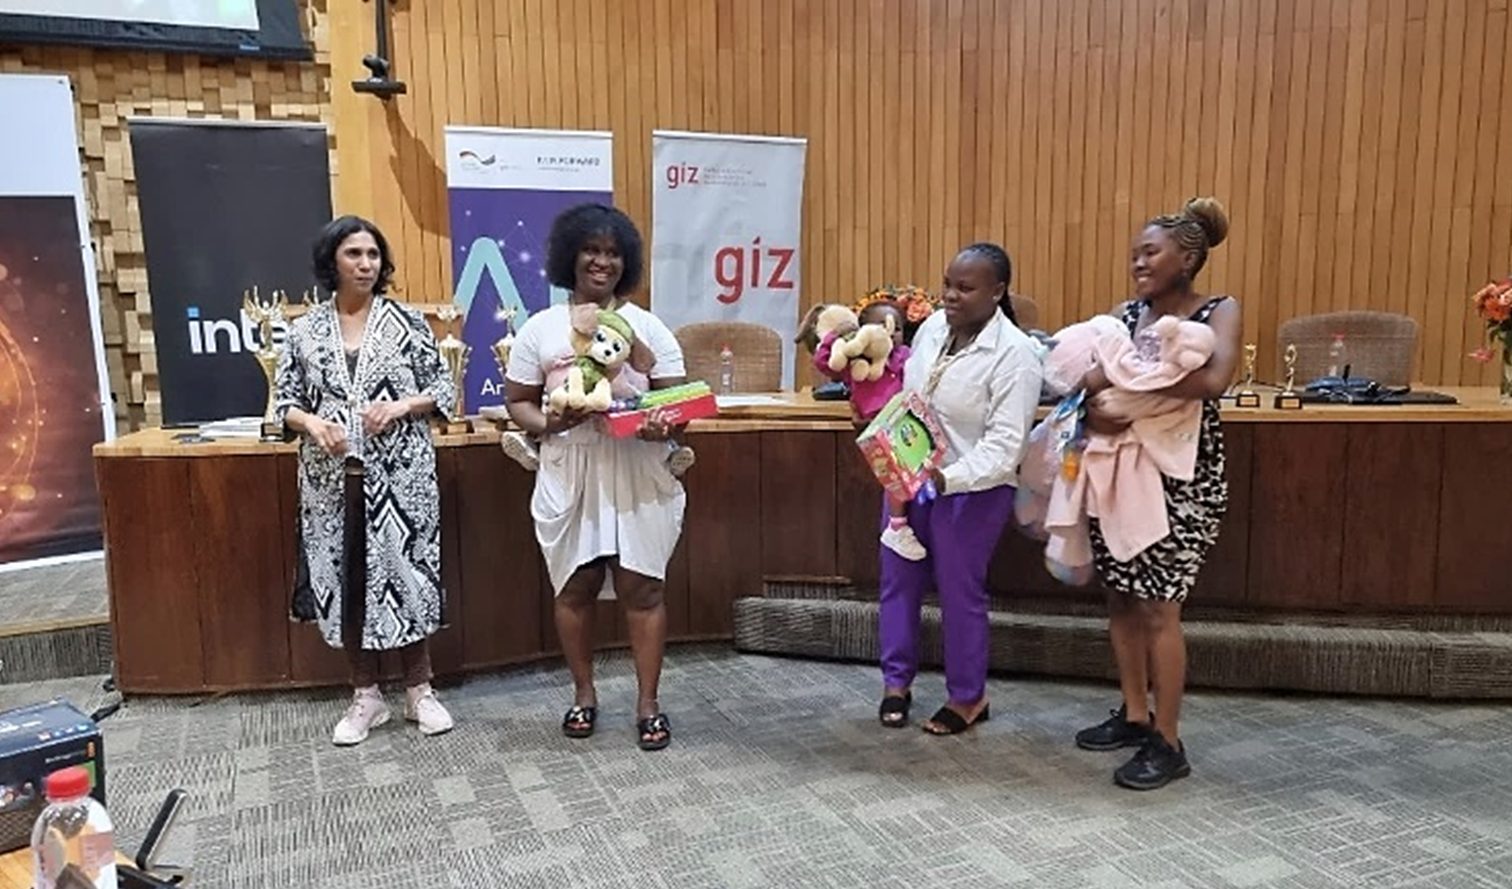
<point>607,510</point>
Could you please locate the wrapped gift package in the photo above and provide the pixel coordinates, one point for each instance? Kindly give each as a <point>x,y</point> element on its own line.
<point>902,444</point>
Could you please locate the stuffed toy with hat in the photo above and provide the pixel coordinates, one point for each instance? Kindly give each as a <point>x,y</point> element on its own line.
<point>604,342</point>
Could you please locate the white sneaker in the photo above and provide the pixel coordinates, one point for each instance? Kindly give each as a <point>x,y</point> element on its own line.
<point>367,712</point>
<point>903,542</point>
<point>519,448</point>
<point>681,460</point>
<point>421,706</point>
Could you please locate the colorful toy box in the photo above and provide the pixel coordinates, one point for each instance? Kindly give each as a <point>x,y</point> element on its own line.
<point>902,444</point>
<point>677,405</point>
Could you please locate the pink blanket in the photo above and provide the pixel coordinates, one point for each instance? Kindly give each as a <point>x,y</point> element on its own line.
<point>1118,480</point>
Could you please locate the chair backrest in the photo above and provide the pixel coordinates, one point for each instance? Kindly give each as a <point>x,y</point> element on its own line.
<point>1025,310</point>
<point>757,350</point>
<point>1377,345</point>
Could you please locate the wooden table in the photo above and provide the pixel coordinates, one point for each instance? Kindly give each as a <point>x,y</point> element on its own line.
<point>16,869</point>
<point>1348,510</point>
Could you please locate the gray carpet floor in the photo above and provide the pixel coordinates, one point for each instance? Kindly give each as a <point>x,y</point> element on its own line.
<point>779,776</point>
<point>68,592</point>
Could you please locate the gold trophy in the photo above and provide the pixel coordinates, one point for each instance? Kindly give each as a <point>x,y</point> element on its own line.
<point>498,414</point>
<point>1287,399</point>
<point>1247,396</point>
<point>455,353</point>
<point>501,347</point>
<point>265,313</point>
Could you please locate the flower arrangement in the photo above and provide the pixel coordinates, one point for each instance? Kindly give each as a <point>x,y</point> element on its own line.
<point>915,301</point>
<point>1493,303</point>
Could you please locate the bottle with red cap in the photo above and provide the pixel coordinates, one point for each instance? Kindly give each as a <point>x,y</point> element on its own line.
<point>73,844</point>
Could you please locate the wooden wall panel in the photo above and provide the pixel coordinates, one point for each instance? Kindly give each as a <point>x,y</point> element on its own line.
<point>150,571</point>
<point>1296,520</point>
<point>1355,142</point>
<point>722,528</point>
<point>1223,578</point>
<point>1391,550</point>
<point>798,502</point>
<point>240,559</point>
<point>1472,572</point>
<point>1359,144</point>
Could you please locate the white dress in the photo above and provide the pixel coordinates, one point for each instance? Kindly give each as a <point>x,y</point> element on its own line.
<point>596,495</point>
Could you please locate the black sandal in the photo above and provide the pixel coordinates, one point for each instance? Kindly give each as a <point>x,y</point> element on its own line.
<point>893,713</point>
<point>651,726</point>
<point>954,723</point>
<point>578,723</point>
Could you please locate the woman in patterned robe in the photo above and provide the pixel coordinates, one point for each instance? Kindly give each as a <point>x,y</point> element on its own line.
<point>358,378</point>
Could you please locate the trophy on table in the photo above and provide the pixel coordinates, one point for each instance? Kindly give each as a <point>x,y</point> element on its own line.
<point>1247,396</point>
<point>502,346</point>
<point>455,353</point>
<point>498,414</point>
<point>1288,399</point>
<point>266,313</point>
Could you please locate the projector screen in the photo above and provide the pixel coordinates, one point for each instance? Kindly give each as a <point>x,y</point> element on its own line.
<point>212,27</point>
<point>239,14</point>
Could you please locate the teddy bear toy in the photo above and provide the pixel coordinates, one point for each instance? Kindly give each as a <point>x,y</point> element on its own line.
<point>863,348</point>
<point>603,342</point>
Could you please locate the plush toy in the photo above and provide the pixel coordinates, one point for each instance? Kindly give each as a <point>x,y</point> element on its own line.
<point>604,343</point>
<point>862,348</point>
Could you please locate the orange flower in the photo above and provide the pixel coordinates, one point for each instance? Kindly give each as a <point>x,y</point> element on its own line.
<point>1483,354</point>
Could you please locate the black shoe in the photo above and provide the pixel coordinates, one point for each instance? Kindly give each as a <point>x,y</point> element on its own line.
<point>1155,765</point>
<point>893,712</point>
<point>1114,732</point>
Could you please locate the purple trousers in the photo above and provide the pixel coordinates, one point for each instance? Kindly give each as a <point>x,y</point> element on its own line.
<point>961,532</point>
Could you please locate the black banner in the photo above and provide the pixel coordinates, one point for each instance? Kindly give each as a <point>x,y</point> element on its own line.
<point>225,207</point>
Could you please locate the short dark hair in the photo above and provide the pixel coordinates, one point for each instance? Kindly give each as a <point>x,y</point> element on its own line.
<point>1003,266</point>
<point>575,226</point>
<point>909,328</point>
<point>329,241</point>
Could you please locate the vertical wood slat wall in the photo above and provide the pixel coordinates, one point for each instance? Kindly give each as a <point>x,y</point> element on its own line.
<point>1363,147</point>
<point>109,86</point>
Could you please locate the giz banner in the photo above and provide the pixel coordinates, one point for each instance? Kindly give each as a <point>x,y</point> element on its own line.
<point>505,187</point>
<point>726,226</point>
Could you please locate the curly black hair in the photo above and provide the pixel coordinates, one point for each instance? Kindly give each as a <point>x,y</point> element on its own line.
<point>575,226</point>
<point>329,241</point>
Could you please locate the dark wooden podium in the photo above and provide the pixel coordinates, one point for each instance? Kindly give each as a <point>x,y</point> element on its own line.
<point>1340,510</point>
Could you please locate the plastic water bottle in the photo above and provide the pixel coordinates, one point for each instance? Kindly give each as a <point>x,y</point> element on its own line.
<point>726,370</point>
<point>73,842</point>
<point>1336,356</point>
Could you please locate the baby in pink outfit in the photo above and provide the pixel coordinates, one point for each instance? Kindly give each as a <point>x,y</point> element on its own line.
<point>868,397</point>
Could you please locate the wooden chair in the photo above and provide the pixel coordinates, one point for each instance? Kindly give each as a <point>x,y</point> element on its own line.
<point>1377,345</point>
<point>1026,310</point>
<point>757,350</point>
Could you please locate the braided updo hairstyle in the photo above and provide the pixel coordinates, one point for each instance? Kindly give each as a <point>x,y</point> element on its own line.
<point>1200,226</point>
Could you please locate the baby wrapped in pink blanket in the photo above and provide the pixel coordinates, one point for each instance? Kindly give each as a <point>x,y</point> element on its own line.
<point>1119,481</point>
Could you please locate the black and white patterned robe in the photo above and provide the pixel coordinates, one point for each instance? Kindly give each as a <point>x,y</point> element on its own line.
<point>398,359</point>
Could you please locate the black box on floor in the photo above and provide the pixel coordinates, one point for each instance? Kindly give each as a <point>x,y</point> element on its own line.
<point>36,741</point>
